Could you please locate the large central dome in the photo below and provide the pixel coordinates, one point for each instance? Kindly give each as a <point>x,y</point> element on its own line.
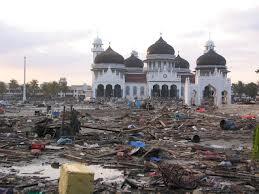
<point>160,47</point>
<point>211,58</point>
<point>109,56</point>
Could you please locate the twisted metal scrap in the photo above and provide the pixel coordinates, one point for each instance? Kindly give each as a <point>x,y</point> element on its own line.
<point>176,176</point>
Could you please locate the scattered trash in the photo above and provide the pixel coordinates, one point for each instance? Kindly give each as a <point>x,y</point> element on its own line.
<point>2,110</point>
<point>137,144</point>
<point>249,116</point>
<point>227,124</point>
<point>176,176</point>
<point>201,110</point>
<point>63,141</point>
<point>225,164</point>
<point>38,146</point>
<point>196,139</point>
<point>131,126</point>
<point>149,147</point>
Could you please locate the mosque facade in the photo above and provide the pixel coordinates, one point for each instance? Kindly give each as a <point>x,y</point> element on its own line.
<point>162,74</point>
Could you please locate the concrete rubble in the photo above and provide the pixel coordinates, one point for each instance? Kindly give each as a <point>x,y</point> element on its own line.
<point>161,147</point>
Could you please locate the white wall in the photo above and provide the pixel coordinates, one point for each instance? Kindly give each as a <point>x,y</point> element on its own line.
<point>217,80</point>
<point>138,95</point>
<point>109,77</point>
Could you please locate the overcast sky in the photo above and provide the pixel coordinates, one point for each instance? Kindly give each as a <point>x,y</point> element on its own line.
<point>57,35</point>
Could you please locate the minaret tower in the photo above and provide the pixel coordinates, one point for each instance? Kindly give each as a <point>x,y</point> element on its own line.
<point>97,47</point>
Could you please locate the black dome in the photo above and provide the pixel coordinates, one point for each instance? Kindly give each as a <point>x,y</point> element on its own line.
<point>211,58</point>
<point>133,61</point>
<point>160,47</point>
<point>109,56</point>
<point>181,63</point>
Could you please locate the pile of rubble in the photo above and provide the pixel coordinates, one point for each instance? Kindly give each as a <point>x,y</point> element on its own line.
<point>169,148</point>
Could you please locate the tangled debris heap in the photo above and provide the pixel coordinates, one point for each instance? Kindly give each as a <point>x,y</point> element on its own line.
<point>168,148</point>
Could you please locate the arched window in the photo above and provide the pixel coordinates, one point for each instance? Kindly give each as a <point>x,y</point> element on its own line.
<point>142,91</point>
<point>127,90</point>
<point>135,90</point>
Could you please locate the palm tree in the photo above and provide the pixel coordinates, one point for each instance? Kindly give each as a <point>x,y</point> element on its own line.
<point>34,86</point>
<point>13,84</point>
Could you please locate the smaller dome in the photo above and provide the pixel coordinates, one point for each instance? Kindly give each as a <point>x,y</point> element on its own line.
<point>98,41</point>
<point>133,61</point>
<point>160,47</point>
<point>211,58</point>
<point>109,56</point>
<point>181,63</point>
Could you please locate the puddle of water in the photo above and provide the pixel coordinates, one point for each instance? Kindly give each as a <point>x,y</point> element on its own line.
<point>44,169</point>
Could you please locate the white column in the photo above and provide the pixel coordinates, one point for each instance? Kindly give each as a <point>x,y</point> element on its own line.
<point>94,91</point>
<point>229,97</point>
<point>199,95</point>
<point>187,91</point>
<point>123,87</point>
<point>180,89</point>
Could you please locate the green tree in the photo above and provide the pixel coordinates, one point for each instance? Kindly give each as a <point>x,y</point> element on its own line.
<point>251,89</point>
<point>50,89</point>
<point>54,88</point>
<point>3,88</point>
<point>45,89</point>
<point>239,88</point>
<point>33,86</point>
<point>63,86</point>
<point>13,84</point>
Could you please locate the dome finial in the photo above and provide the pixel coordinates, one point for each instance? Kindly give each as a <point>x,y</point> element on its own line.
<point>209,45</point>
<point>109,43</point>
<point>135,53</point>
<point>160,34</point>
<point>178,52</point>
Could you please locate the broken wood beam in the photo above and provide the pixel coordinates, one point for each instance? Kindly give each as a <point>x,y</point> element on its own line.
<point>101,129</point>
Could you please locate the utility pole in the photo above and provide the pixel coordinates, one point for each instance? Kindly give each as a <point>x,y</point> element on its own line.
<point>24,80</point>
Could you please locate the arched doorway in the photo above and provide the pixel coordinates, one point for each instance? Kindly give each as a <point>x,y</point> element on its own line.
<point>156,91</point>
<point>117,91</point>
<point>100,91</point>
<point>224,96</point>
<point>173,91</point>
<point>164,91</point>
<point>209,93</point>
<point>108,91</point>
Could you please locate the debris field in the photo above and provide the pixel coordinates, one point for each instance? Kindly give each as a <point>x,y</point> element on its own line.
<point>166,148</point>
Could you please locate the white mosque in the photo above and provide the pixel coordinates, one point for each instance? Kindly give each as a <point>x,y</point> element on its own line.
<point>161,75</point>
